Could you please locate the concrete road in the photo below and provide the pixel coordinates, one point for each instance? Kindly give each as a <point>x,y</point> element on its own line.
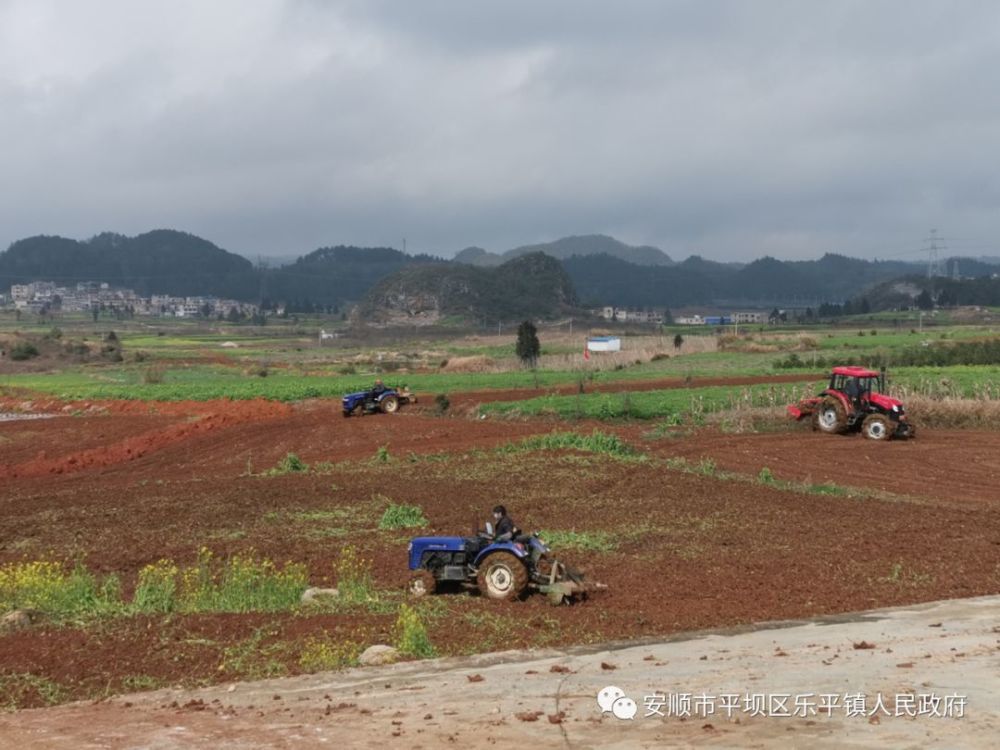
<point>923,676</point>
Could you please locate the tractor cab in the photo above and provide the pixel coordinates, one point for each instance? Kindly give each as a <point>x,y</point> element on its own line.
<point>856,383</point>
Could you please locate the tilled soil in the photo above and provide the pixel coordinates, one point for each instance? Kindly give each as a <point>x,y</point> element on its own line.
<point>687,550</point>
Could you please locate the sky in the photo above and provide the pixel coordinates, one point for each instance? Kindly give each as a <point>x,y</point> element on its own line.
<point>728,129</point>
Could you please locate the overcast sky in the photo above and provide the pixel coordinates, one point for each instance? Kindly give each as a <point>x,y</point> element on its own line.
<point>728,129</point>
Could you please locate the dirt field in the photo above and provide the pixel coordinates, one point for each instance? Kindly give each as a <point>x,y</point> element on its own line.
<point>120,486</point>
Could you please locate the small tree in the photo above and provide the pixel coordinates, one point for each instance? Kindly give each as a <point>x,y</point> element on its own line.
<point>528,348</point>
<point>678,341</point>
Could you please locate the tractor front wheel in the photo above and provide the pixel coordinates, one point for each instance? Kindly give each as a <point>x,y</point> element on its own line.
<point>421,583</point>
<point>389,404</point>
<point>502,576</point>
<point>876,427</point>
<point>830,417</point>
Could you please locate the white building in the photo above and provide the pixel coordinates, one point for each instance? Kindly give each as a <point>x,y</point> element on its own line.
<point>604,344</point>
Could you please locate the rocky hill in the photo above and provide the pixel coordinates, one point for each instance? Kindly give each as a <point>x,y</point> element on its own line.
<point>531,286</point>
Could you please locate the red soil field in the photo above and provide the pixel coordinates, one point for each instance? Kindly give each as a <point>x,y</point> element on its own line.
<point>137,482</point>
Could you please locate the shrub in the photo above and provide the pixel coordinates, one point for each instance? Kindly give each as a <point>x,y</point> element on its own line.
<point>765,476</point>
<point>402,517</point>
<point>23,350</point>
<point>441,403</point>
<point>411,635</point>
<point>382,454</point>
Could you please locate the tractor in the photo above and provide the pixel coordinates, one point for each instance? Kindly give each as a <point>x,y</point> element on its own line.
<point>386,401</point>
<point>500,568</point>
<point>855,400</point>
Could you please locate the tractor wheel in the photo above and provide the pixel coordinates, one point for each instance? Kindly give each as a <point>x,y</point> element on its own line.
<point>347,413</point>
<point>876,427</point>
<point>830,417</point>
<point>502,576</point>
<point>389,404</point>
<point>421,583</point>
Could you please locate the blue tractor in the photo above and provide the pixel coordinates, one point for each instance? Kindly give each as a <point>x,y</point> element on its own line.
<point>386,401</point>
<point>501,568</point>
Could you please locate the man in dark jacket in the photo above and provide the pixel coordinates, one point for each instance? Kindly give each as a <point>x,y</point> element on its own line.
<point>503,525</point>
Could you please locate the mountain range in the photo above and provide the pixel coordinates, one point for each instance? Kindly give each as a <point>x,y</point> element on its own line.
<point>594,270</point>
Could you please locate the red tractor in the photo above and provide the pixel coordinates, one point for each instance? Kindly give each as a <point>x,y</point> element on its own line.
<point>855,400</point>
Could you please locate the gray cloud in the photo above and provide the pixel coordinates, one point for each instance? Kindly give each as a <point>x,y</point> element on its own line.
<point>730,129</point>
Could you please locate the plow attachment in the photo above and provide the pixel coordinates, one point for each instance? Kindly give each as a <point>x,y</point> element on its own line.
<point>565,584</point>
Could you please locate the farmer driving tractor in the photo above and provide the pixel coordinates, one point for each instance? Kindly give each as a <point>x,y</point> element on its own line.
<point>504,528</point>
<point>377,390</point>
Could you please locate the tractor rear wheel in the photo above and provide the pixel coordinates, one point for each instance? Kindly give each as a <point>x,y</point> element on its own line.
<point>876,427</point>
<point>830,417</point>
<point>389,404</point>
<point>421,583</point>
<point>502,576</point>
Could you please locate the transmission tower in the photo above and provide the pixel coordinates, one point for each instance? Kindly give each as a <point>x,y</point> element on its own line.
<point>934,245</point>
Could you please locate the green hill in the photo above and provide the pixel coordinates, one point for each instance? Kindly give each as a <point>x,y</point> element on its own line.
<point>163,261</point>
<point>568,247</point>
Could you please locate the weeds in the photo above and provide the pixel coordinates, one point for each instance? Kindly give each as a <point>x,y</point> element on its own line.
<point>241,584</point>
<point>290,464</point>
<point>587,541</point>
<point>320,654</point>
<point>253,660</point>
<point>596,442</point>
<point>411,635</point>
<point>49,588</point>
<point>354,577</point>
<point>402,517</point>
<point>20,689</point>
<point>156,590</point>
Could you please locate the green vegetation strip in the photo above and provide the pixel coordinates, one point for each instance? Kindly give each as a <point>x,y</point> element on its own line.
<point>676,402</point>
<point>596,442</point>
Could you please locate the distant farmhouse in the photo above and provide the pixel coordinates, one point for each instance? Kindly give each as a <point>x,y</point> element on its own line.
<point>738,318</point>
<point>627,315</point>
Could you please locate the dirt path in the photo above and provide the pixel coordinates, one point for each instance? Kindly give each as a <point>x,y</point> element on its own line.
<point>918,677</point>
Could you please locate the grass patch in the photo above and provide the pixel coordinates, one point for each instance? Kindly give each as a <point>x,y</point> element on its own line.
<point>596,442</point>
<point>402,517</point>
<point>290,464</point>
<point>587,541</point>
<point>23,689</point>
<point>253,659</point>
